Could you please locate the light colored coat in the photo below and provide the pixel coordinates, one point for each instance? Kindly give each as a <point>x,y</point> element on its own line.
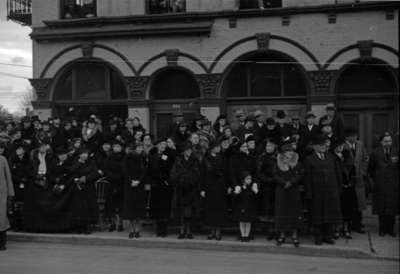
<point>6,190</point>
<point>360,160</point>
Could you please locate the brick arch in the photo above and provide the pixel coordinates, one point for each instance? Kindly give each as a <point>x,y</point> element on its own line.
<point>164,54</point>
<point>288,41</point>
<point>71,63</point>
<point>158,72</point>
<point>392,72</point>
<point>91,46</point>
<point>228,69</point>
<point>356,48</point>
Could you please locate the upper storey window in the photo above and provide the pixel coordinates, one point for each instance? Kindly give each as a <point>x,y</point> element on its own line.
<point>78,9</point>
<point>259,4</point>
<point>166,6</point>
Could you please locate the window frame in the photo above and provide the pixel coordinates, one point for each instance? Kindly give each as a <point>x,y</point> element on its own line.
<point>62,5</point>
<point>107,71</point>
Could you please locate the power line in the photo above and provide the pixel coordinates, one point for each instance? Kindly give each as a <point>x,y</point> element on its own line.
<point>14,75</point>
<point>15,65</point>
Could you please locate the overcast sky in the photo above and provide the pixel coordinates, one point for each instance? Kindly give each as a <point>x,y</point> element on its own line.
<point>15,50</point>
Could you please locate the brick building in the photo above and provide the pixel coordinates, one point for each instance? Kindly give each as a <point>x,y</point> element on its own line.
<point>149,58</point>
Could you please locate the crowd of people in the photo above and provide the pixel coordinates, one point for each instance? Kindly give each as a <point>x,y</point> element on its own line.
<point>54,173</point>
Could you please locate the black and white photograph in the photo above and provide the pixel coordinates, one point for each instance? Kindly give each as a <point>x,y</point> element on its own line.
<point>199,136</point>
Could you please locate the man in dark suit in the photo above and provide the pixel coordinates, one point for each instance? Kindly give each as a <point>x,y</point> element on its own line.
<point>322,182</point>
<point>336,121</point>
<point>383,167</point>
<point>259,126</point>
<point>307,133</point>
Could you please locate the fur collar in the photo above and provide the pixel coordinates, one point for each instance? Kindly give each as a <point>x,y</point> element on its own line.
<point>292,162</point>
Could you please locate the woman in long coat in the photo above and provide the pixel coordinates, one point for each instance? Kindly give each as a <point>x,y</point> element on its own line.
<point>160,165</point>
<point>20,171</point>
<point>134,170</point>
<point>84,174</point>
<point>323,181</point>
<point>6,192</point>
<point>384,169</point>
<point>288,204</point>
<point>214,191</point>
<point>113,172</point>
<point>185,175</point>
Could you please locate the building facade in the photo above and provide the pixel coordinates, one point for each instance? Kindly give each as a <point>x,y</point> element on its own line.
<point>150,58</point>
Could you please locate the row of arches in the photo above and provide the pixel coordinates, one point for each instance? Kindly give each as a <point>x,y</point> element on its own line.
<point>254,75</point>
<point>303,54</point>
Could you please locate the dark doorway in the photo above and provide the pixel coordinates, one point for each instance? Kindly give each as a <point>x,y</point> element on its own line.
<point>82,112</point>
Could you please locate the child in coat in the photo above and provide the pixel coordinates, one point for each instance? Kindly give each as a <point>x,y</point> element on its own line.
<point>245,211</point>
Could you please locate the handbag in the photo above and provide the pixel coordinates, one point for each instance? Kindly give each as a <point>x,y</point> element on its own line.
<point>41,182</point>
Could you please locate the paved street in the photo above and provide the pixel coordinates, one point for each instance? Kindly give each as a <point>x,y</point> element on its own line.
<point>36,258</point>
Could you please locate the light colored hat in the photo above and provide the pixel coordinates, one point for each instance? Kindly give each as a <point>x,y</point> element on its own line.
<point>239,112</point>
<point>258,113</point>
<point>330,106</point>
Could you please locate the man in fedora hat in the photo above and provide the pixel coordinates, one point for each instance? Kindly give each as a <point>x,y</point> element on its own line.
<point>282,126</point>
<point>307,133</point>
<point>259,126</point>
<point>239,121</point>
<point>334,119</point>
<point>177,118</point>
<point>322,188</point>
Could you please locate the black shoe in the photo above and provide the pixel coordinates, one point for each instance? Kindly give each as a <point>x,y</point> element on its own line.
<point>189,236</point>
<point>359,230</point>
<point>280,241</point>
<point>329,241</point>
<point>137,235</point>
<point>181,236</point>
<point>131,235</point>
<point>112,228</point>
<point>3,248</point>
<point>211,237</point>
<point>296,242</point>
<point>120,228</point>
<point>392,234</point>
<point>347,235</point>
<point>218,237</point>
<point>242,239</point>
<point>382,234</point>
<point>336,235</point>
<point>318,242</point>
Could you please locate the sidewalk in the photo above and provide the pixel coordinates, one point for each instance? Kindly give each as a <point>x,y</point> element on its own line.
<point>361,246</point>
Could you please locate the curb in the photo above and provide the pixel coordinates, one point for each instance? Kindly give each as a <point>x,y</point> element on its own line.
<point>230,246</point>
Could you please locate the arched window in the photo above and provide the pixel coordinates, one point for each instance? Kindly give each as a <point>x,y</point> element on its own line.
<point>174,84</point>
<point>365,77</point>
<point>265,75</point>
<point>90,81</point>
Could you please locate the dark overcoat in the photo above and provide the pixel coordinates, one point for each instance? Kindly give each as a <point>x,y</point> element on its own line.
<point>385,175</point>
<point>288,203</point>
<point>134,168</point>
<point>323,180</point>
<point>215,187</point>
<point>239,163</point>
<point>185,175</point>
<point>158,176</point>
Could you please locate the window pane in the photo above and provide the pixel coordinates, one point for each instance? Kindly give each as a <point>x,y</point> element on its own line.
<point>175,84</point>
<point>166,6</point>
<point>266,79</point>
<point>118,90</point>
<point>63,89</point>
<point>294,81</point>
<point>249,4</point>
<point>91,81</point>
<point>365,78</point>
<point>236,82</point>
